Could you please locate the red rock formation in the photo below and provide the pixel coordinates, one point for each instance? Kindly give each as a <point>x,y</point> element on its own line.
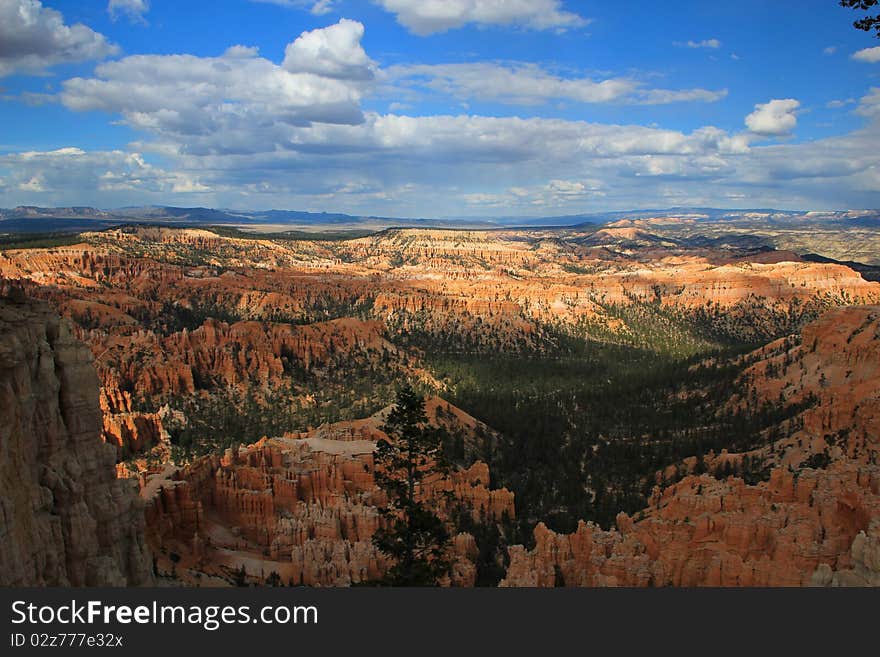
<point>133,433</point>
<point>831,369</point>
<point>222,355</point>
<point>65,519</point>
<point>703,531</point>
<point>129,291</point>
<point>301,506</point>
<point>496,287</point>
<point>865,560</point>
<point>124,288</point>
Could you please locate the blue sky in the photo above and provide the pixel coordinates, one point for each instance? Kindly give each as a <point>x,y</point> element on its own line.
<point>460,107</point>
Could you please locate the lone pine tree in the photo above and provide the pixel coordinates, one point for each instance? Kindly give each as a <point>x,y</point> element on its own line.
<point>412,534</point>
<point>867,23</point>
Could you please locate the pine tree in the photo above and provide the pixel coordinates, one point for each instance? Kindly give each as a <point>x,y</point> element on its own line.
<point>867,23</point>
<point>412,534</point>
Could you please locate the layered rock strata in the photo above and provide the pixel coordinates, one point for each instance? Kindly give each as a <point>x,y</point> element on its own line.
<point>65,519</point>
<point>297,510</point>
<point>814,521</point>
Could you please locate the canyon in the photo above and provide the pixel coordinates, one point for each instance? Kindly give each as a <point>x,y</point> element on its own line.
<point>809,519</point>
<point>240,384</point>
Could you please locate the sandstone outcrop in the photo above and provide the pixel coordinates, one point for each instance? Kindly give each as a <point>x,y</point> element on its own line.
<point>705,532</point>
<point>189,315</point>
<point>865,563</point>
<point>499,287</point>
<point>65,519</point>
<point>299,509</point>
<point>815,521</point>
<point>170,312</point>
<point>220,355</point>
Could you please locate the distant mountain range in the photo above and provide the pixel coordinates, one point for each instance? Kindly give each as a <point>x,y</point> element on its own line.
<point>32,219</point>
<point>71,219</point>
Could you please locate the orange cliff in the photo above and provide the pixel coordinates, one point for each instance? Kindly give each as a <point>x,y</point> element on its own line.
<point>705,532</point>
<point>128,291</point>
<point>813,522</point>
<point>228,355</point>
<point>303,507</point>
<point>497,288</point>
<point>116,278</point>
<point>65,519</point>
<point>251,356</point>
<point>837,365</point>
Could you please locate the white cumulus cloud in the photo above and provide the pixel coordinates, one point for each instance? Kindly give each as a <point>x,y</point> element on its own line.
<point>869,105</point>
<point>64,173</point>
<point>667,96</point>
<point>238,130</point>
<point>322,7</point>
<point>235,101</point>
<point>712,44</point>
<point>34,37</point>
<point>333,52</point>
<point>776,118</point>
<point>870,55</point>
<point>516,83</point>
<point>315,7</point>
<point>838,103</point>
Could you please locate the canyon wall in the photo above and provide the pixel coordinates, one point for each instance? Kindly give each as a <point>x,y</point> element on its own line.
<point>174,312</point>
<point>300,510</point>
<point>705,532</point>
<point>186,315</point>
<point>815,520</point>
<point>65,519</point>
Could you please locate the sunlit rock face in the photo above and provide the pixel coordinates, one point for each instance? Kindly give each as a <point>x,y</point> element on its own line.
<point>815,521</point>
<point>301,509</point>
<point>176,312</point>
<point>174,315</point>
